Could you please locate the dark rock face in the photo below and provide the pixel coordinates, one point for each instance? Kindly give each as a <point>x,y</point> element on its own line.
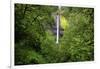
<point>54,30</point>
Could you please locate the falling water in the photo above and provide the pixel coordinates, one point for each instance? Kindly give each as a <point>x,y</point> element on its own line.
<point>57,24</point>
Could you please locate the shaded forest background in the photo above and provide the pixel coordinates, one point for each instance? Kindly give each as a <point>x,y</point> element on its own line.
<point>35,43</point>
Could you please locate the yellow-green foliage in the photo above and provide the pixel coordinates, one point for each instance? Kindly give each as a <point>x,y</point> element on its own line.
<point>63,22</point>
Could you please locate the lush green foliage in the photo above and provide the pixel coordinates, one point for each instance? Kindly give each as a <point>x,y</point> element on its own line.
<point>36,44</point>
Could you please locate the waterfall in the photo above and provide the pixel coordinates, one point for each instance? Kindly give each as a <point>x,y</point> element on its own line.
<point>57,24</point>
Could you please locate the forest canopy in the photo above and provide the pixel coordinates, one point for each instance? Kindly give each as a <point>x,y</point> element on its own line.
<point>35,41</point>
